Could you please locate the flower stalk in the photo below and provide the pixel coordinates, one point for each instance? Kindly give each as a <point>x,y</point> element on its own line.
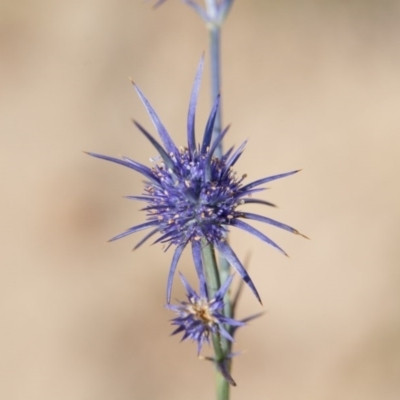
<point>215,62</point>
<point>214,31</point>
<point>222,346</point>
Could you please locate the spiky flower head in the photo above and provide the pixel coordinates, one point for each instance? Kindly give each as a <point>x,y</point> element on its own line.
<point>199,318</point>
<point>193,197</point>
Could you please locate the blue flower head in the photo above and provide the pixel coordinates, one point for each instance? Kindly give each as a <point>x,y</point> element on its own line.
<point>199,318</point>
<point>214,12</point>
<point>192,197</point>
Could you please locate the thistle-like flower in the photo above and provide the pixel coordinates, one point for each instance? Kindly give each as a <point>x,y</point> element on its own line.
<point>199,318</point>
<point>192,196</point>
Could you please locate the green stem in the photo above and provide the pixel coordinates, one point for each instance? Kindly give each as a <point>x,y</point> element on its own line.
<point>215,55</point>
<point>215,62</point>
<point>214,275</point>
<point>211,268</point>
<point>221,345</point>
<point>222,387</point>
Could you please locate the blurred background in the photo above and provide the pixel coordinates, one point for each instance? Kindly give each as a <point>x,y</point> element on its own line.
<point>312,85</point>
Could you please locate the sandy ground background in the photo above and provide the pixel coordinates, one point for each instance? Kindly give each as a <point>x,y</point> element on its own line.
<point>312,84</point>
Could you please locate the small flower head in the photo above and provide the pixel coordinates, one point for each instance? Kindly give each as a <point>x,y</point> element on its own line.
<point>199,318</point>
<point>191,196</point>
<point>213,13</point>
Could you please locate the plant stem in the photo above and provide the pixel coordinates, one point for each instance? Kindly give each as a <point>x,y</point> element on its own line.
<point>215,55</point>
<point>221,345</point>
<point>223,387</point>
<point>214,275</point>
<point>210,268</point>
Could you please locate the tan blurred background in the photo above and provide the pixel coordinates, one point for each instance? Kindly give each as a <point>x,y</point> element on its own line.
<point>312,84</point>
